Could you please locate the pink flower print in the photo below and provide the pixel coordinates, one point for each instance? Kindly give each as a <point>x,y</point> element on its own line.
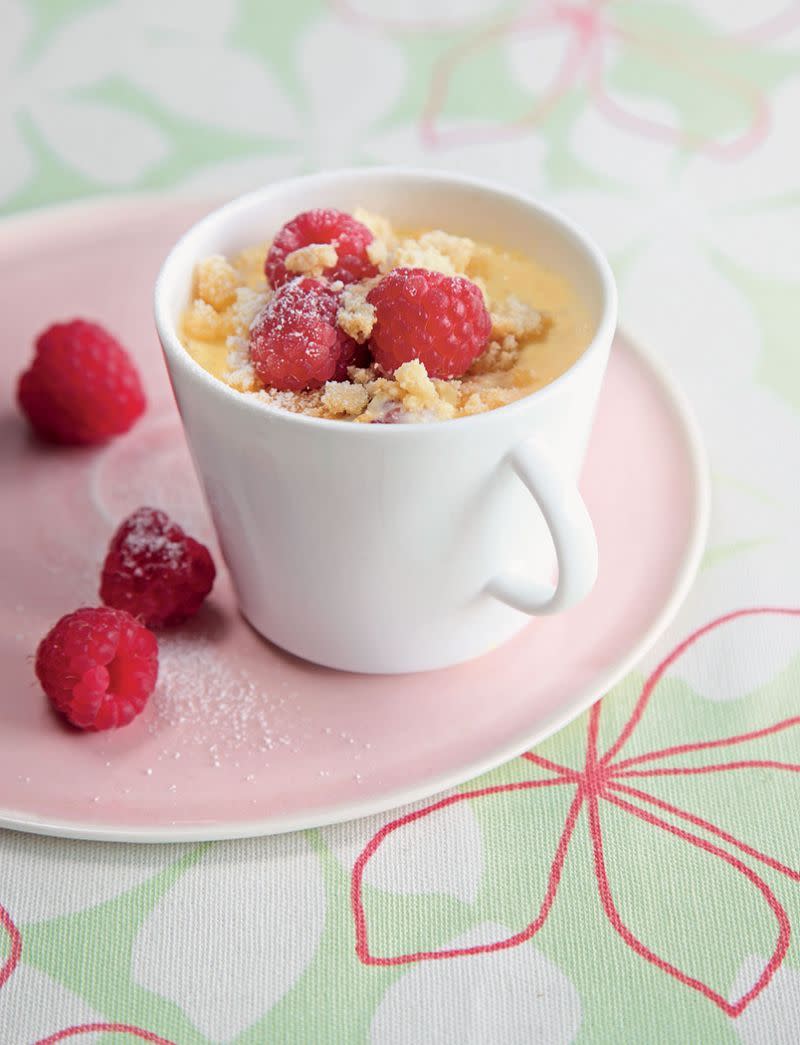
<point>108,1028</point>
<point>15,942</point>
<point>576,42</point>
<point>608,780</point>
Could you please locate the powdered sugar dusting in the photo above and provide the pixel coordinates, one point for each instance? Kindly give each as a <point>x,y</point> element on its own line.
<point>149,536</point>
<point>202,700</point>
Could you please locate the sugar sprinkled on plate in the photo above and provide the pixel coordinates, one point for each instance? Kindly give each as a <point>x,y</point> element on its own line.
<point>203,700</point>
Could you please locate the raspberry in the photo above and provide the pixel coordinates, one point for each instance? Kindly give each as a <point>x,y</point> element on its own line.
<point>440,320</point>
<point>349,236</point>
<point>154,571</point>
<point>295,343</point>
<point>98,667</point>
<point>82,386</point>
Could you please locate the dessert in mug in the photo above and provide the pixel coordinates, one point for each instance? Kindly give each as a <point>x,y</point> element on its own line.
<point>345,317</point>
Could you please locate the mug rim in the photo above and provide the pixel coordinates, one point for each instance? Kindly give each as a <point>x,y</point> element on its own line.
<point>177,354</point>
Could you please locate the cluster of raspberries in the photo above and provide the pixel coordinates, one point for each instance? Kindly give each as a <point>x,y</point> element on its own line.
<point>295,344</point>
<point>99,665</point>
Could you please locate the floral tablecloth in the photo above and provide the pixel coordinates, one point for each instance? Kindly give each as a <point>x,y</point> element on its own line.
<point>636,878</point>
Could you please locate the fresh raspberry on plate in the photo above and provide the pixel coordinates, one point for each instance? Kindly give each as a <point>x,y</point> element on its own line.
<point>98,667</point>
<point>155,571</point>
<point>348,236</point>
<point>82,386</point>
<point>440,320</point>
<point>295,343</point>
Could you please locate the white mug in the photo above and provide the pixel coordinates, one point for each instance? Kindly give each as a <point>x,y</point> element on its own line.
<point>396,548</point>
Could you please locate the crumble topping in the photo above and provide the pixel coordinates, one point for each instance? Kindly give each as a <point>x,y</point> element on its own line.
<point>419,393</point>
<point>434,249</point>
<point>241,373</point>
<point>308,403</point>
<point>378,252</point>
<point>204,322</point>
<point>409,395</point>
<point>498,355</point>
<point>380,227</point>
<point>413,253</point>
<point>311,260</point>
<point>344,398</point>
<point>412,377</point>
<point>247,308</point>
<point>448,391</point>
<point>243,313</point>
<point>514,318</point>
<point>362,375</point>
<point>249,263</point>
<point>356,317</point>
<point>458,249</point>
<point>216,282</point>
<point>483,399</point>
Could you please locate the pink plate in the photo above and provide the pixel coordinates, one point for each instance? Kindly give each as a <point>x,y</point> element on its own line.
<point>240,738</point>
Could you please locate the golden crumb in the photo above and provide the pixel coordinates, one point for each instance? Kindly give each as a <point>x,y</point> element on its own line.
<point>412,253</point>
<point>341,398</point>
<point>382,402</point>
<point>308,403</point>
<point>384,386</point>
<point>514,317</point>
<point>204,322</point>
<point>435,250</point>
<point>361,375</point>
<point>247,306</point>
<point>498,396</point>
<point>241,373</point>
<point>413,378</point>
<point>244,379</point>
<point>420,394</point>
<point>356,317</point>
<point>449,391</point>
<point>249,264</point>
<point>311,260</point>
<point>216,282</point>
<point>486,397</point>
<point>377,252</point>
<point>473,404</point>
<point>498,355</point>
<point>459,249</point>
<point>380,227</point>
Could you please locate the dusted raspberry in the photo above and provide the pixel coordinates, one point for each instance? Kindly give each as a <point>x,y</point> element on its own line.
<point>295,343</point>
<point>440,320</point>
<point>82,386</point>
<point>348,236</point>
<point>154,571</point>
<point>98,667</point>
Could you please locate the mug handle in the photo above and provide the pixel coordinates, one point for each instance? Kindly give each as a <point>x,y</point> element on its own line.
<point>570,528</point>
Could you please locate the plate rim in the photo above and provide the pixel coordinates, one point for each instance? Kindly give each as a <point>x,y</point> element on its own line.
<point>394,798</point>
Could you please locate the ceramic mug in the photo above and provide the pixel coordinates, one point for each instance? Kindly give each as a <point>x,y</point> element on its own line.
<point>396,548</point>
